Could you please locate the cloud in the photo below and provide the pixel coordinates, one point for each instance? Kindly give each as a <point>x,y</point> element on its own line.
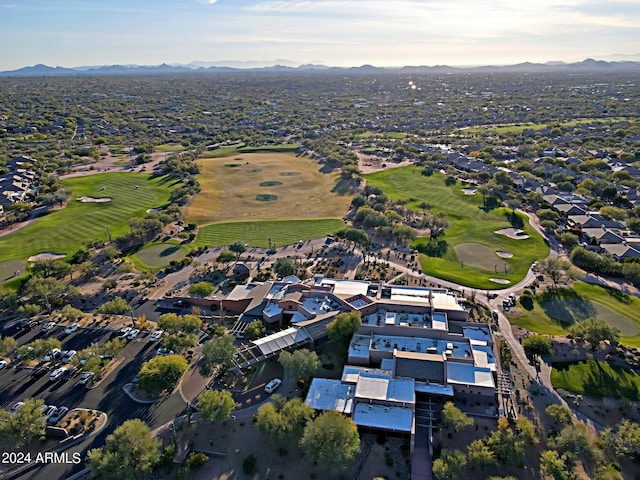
<point>211,2</point>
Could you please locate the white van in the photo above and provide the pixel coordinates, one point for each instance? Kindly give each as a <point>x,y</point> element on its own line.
<point>273,385</point>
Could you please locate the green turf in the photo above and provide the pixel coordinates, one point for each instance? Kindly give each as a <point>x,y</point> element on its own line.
<point>598,379</point>
<point>257,234</point>
<point>170,147</point>
<point>519,128</point>
<point>63,231</point>
<point>282,147</point>
<point>9,269</point>
<point>551,316</point>
<point>469,224</point>
<point>158,255</point>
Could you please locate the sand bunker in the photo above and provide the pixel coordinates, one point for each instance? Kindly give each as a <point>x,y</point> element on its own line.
<point>94,200</point>
<point>514,233</point>
<point>45,256</point>
<point>154,210</point>
<point>502,254</point>
<point>501,281</point>
<point>469,191</point>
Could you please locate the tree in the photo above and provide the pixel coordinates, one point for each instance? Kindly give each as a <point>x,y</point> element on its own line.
<point>331,440</point>
<point>130,453</point>
<point>301,363</point>
<point>573,440</point>
<point>527,431</point>
<point>283,419</point>
<point>7,345</point>
<point>436,224</point>
<point>559,413</point>
<point>355,235</point>
<point>569,240</point>
<point>480,454</point>
<point>116,306</point>
<point>594,331</point>
<point>613,213</point>
<point>537,345</point>
<point>557,467</point>
<point>45,290</point>
<point>215,405</point>
<point>255,330</point>
<point>554,268</point>
<point>25,424</point>
<point>88,269</point>
<point>450,465</point>
<point>342,328</point>
<point>453,417</point>
<point>174,323</point>
<point>71,313</point>
<point>201,289</point>
<point>238,248</point>
<point>225,257</point>
<point>625,440</point>
<point>110,252</point>
<point>162,373</point>
<point>284,267</point>
<point>217,351</point>
<point>504,445</point>
<point>513,203</point>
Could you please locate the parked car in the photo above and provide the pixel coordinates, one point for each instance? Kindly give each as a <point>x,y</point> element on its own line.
<point>48,326</point>
<point>133,334</point>
<point>71,328</point>
<point>48,411</point>
<point>3,364</point>
<point>16,406</point>
<point>86,378</point>
<point>58,415</point>
<point>68,356</point>
<point>26,354</point>
<point>155,336</point>
<point>273,385</point>
<point>56,374</point>
<point>54,355</point>
<point>164,351</point>
<point>68,373</point>
<point>124,332</point>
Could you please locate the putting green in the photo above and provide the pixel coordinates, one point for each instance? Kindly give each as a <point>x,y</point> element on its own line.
<point>479,256</point>
<point>11,269</point>
<point>627,327</point>
<point>160,255</point>
<point>266,197</point>
<point>271,183</point>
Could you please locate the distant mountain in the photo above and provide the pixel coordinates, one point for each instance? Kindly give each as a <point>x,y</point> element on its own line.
<point>588,65</point>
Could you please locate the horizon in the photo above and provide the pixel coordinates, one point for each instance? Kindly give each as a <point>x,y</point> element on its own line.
<point>340,33</point>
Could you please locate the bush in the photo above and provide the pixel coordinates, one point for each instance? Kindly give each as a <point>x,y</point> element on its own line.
<point>527,302</point>
<point>196,460</point>
<point>249,463</point>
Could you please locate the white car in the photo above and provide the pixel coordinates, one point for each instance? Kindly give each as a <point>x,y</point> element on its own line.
<point>70,354</point>
<point>3,364</point>
<point>273,385</point>
<point>71,328</point>
<point>155,336</point>
<point>124,332</point>
<point>58,415</point>
<point>133,334</point>
<point>48,326</point>
<point>54,354</point>
<point>48,411</point>
<point>16,406</point>
<point>164,351</point>
<point>86,378</point>
<point>56,374</point>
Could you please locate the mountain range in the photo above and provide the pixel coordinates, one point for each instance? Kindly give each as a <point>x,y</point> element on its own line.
<point>588,65</point>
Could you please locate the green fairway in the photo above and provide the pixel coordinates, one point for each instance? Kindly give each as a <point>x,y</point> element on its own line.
<point>170,147</point>
<point>257,234</point>
<point>227,151</point>
<point>158,255</point>
<point>63,231</point>
<point>469,225</point>
<point>554,311</point>
<point>519,128</point>
<point>598,379</point>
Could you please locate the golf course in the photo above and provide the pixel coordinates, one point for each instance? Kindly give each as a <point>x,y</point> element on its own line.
<point>99,205</point>
<point>254,197</point>
<point>480,249</point>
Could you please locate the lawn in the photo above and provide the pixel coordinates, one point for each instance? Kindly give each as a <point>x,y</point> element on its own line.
<point>258,233</point>
<point>170,147</point>
<point>519,128</point>
<point>230,150</point>
<point>158,255</point>
<point>553,312</point>
<point>233,188</point>
<point>63,231</point>
<point>469,224</point>
<point>598,379</point>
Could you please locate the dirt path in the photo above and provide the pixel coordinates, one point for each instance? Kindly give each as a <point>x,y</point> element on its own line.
<point>373,163</point>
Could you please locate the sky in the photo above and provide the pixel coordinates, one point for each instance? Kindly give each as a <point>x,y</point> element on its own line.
<point>72,33</point>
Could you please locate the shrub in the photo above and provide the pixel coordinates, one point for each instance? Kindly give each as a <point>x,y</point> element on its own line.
<point>249,463</point>
<point>196,460</point>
